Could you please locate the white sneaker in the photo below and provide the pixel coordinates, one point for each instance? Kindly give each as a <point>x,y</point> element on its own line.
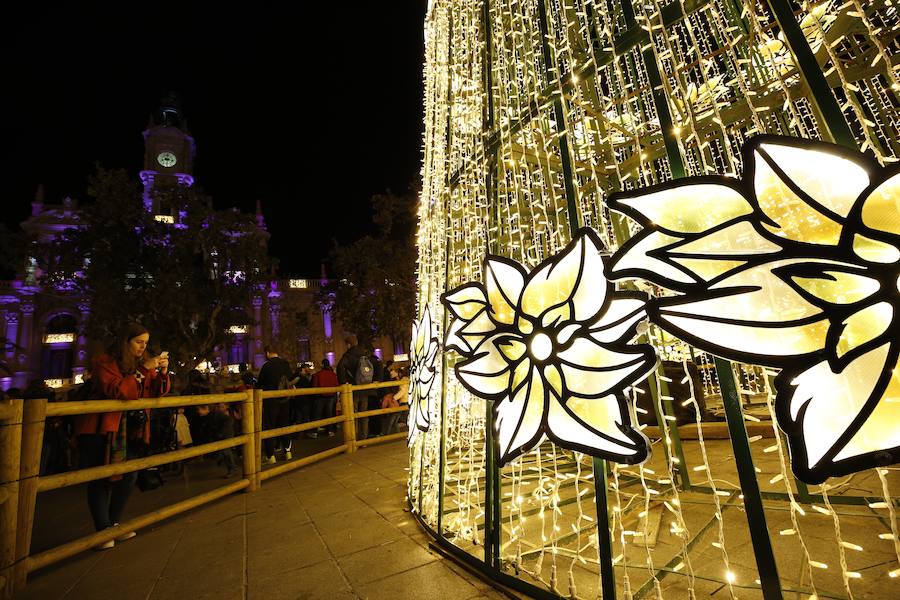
<point>125,536</point>
<point>330,434</point>
<point>269,460</point>
<point>106,545</point>
<point>288,455</point>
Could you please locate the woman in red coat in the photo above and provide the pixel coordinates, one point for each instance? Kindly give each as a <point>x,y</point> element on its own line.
<point>127,372</point>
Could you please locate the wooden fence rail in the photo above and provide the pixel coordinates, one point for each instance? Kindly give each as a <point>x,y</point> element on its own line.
<point>21,440</point>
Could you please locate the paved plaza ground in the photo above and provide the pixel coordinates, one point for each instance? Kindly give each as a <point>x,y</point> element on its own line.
<point>337,529</point>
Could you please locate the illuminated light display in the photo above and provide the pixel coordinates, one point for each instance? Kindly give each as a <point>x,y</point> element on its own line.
<point>551,348</point>
<point>59,338</point>
<point>164,219</point>
<point>795,266</point>
<point>298,284</point>
<point>424,347</point>
<point>536,111</point>
<point>237,329</point>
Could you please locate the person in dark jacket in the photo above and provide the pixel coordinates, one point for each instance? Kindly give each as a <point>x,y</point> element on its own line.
<point>275,374</point>
<point>346,372</point>
<point>302,406</point>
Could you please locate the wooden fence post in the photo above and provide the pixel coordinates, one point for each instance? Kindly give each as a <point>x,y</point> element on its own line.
<point>10,456</point>
<point>34,414</point>
<point>349,421</point>
<point>257,434</point>
<point>248,427</point>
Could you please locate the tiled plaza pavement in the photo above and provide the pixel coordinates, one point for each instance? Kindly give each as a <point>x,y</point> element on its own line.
<point>338,529</point>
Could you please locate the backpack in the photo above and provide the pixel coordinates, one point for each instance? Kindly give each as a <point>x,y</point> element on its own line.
<point>284,383</point>
<point>364,371</point>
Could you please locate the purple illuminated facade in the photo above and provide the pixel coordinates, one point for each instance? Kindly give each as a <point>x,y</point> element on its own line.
<point>45,325</point>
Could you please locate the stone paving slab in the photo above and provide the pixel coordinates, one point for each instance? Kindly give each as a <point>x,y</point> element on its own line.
<point>335,530</point>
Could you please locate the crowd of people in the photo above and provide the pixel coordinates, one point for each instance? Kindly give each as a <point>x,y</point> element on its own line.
<point>134,368</point>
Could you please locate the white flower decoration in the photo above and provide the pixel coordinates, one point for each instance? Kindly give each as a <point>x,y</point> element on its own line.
<point>795,267</point>
<point>551,348</point>
<point>423,356</point>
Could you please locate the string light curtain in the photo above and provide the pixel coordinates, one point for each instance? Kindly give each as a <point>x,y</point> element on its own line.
<point>535,112</point>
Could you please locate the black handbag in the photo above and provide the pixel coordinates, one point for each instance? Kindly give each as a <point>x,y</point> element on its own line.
<point>136,419</point>
<point>149,479</point>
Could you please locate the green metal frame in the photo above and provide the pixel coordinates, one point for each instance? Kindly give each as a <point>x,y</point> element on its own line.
<point>554,95</point>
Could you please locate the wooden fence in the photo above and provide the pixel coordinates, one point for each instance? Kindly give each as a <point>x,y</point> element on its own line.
<point>21,440</point>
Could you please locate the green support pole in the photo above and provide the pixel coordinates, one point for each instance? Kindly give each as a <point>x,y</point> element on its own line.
<point>659,97</point>
<point>756,515</point>
<point>491,454</point>
<point>821,94</point>
<point>492,492</point>
<point>559,115</point>
<point>604,542</point>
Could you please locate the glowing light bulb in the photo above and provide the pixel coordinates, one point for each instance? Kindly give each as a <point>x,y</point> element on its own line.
<point>541,346</point>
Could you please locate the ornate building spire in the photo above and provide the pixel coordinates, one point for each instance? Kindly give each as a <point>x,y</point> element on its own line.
<point>260,219</point>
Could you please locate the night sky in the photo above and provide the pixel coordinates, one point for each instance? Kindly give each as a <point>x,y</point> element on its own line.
<point>311,110</point>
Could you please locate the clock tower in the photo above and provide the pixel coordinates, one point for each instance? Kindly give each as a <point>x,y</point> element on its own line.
<point>168,152</point>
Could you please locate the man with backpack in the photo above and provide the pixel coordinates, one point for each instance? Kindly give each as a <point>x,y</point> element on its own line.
<point>275,374</point>
<point>355,368</point>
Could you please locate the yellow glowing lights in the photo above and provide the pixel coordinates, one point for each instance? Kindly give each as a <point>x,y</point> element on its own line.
<point>424,348</point>
<point>59,338</point>
<point>809,286</point>
<point>541,347</point>
<point>552,349</point>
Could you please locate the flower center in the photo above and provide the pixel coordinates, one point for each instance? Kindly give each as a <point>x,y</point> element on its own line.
<point>541,347</point>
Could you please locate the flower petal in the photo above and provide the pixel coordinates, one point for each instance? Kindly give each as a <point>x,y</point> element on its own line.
<point>834,182</point>
<point>755,294</point>
<point>518,418</point>
<point>619,320</point>
<point>513,349</point>
<point>822,405</point>
<point>875,251</point>
<point>504,282</point>
<point>864,326</point>
<point>591,370</point>
<point>598,427</point>
<point>422,413</point>
<point>755,306</point>
<point>739,240</point>
<point>487,373</point>
<point>688,208</point>
<point>709,268</point>
<point>635,261</point>
<point>466,301</point>
<point>794,217</point>
<point>568,286</point>
<point>838,286</point>
<point>879,432</point>
<point>758,345</point>
<point>454,341</point>
<point>881,210</point>
<point>476,331</point>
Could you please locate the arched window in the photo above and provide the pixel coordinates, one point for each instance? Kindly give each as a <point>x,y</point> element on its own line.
<point>58,350</point>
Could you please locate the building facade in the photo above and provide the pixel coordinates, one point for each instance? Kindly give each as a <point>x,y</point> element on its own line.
<point>42,326</point>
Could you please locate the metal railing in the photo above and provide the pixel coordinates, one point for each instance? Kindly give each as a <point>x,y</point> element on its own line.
<point>21,441</point>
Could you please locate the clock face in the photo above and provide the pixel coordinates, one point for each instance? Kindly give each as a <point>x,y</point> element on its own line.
<point>166,159</point>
